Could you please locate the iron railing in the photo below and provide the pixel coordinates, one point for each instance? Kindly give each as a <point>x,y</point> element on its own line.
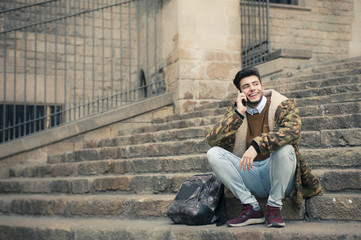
<point>254,32</point>
<point>63,60</point>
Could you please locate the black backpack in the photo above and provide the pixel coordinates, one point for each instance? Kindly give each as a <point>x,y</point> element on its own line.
<point>200,200</point>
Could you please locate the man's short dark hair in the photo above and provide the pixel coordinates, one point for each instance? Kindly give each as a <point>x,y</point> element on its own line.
<point>247,72</point>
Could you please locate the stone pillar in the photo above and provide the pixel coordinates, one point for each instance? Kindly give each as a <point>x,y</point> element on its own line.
<point>355,44</point>
<point>205,53</point>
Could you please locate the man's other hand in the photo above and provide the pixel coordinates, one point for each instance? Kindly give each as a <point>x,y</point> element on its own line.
<point>247,159</point>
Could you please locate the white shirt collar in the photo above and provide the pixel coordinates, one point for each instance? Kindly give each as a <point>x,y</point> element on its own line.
<point>259,108</point>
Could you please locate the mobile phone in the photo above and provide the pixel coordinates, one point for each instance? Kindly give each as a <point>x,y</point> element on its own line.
<point>244,102</point>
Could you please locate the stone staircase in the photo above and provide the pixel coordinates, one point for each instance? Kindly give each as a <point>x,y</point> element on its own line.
<point>120,188</point>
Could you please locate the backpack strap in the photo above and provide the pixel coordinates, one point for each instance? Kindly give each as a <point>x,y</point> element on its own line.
<point>221,211</point>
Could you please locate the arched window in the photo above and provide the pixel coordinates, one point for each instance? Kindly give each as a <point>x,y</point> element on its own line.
<point>143,84</point>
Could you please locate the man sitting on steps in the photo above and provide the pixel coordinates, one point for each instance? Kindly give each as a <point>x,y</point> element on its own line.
<point>255,152</point>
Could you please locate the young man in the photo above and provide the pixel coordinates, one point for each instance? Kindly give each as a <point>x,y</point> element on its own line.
<point>255,152</point>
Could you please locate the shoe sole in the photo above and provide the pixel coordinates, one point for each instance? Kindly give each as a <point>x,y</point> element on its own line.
<point>277,225</point>
<point>246,223</point>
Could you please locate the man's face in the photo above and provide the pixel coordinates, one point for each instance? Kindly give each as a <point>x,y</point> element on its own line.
<point>253,89</point>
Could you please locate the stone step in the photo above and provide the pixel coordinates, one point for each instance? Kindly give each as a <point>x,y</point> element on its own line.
<point>312,106</point>
<point>320,138</point>
<point>318,158</point>
<point>140,136</point>
<point>324,91</point>
<point>20,227</point>
<point>339,180</point>
<point>333,158</point>
<point>351,96</point>
<point>149,183</point>
<point>199,145</point>
<point>330,109</point>
<point>339,98</point>
<point>335,113</point>
<point>321,67</point>
<point>169,164</point>
<point>101,205</point>
<point>299,76</point>
<point>146,206</point>
<point>176,134</point>
<point>213,110</point>
<point>176,124</point>
<point>347,63</point>
<point>331,122</point>
<point>316,84</point>
<point>331,138</point>
<point>157,149</point>
<point>122,184</point>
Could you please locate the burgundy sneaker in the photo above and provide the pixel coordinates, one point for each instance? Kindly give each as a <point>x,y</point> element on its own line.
<point>247,217</point>
<point>274,217</point>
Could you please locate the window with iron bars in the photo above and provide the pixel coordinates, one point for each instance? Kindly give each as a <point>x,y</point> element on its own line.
<point>291,2</point>
<point>23,120</point>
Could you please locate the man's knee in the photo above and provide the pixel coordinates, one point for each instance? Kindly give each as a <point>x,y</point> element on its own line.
<point>212,154</point>
<point>285,152</point>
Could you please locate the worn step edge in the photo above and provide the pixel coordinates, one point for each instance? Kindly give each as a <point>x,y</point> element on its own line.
<point>169,164</point>
<point>310,76</point>
<point>195,145</point>
<point>331,138</point>
<point>294,83</point>
<point>200,132</point>
<point>351,96</point>
<point>324,91</point>
<point>332,158</point>
<point>155,134</point>
<point>145,206</point>
<point>163,229</point>
<point>150,183</point>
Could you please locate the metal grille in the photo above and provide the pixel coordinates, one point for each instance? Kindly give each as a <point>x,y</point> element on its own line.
<point>63,60</point>
<point>254,32</point>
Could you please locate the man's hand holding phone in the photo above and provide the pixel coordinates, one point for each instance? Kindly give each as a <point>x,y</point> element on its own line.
<point>241,102</point>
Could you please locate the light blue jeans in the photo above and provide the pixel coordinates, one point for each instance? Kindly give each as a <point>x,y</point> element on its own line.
<point>272,177</point>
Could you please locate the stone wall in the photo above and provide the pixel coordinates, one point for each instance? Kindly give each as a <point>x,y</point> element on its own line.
<point>208,41</point>
<point>322,26</point>
<point>209,51</point>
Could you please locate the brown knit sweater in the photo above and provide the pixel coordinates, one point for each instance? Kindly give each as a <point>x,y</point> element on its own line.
<point>257,124</point>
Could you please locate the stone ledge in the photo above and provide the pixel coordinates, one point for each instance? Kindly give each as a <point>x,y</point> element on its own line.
<point>72,129</point>
<point>283,61</point>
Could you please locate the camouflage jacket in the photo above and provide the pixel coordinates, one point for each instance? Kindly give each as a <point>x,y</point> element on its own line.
<point>285,125</point>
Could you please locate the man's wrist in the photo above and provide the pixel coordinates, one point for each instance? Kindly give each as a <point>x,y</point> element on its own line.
<point>256,147</point>
<point>238,113</point>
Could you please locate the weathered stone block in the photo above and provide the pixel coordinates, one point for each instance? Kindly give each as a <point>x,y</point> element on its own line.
<point>112,184</point>
<point>342,180</point>
<point>80,186</point>
<point>154,208</point>
<point>61,170</point>
<point>16,233</point>
<point>346,137</point>
<point>35,186</point>
<point>119,167</point>
<point>146,165</point>
<point>89,154</point>
<point>59,186</point>
<point>109,153</point>
<point>54,234</point>
<point>99,207</point>
<point>10,187</point>
<point>92,168</point>
<point>153,184</point>
<point>335,207</point>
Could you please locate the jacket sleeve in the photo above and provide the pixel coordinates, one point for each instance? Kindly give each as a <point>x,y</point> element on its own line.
<point>287,128</point>
<point>223,132</point>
